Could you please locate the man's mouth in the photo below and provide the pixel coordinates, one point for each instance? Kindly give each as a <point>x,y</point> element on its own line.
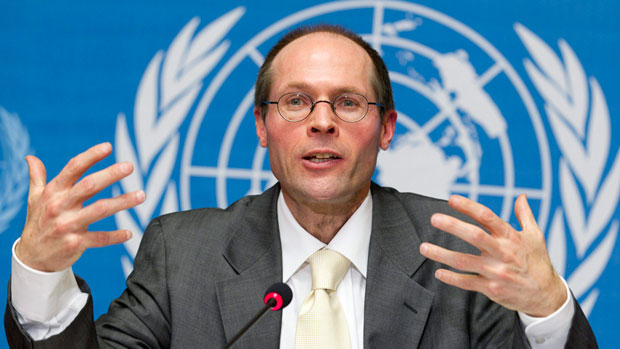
<point>321,157</point>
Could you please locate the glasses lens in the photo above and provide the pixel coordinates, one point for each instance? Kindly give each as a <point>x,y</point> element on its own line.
<point>294,106</point>
<point>351,107</point>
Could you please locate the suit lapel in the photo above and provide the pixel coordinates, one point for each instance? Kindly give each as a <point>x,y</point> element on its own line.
<point>254,253</point>
<point>396,307</point>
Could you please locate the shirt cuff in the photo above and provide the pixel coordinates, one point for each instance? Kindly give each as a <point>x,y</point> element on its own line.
<point>550,331</point>
<point>40,296</point>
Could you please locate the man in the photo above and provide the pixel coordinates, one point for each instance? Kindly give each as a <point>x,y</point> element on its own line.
<point>324,108</point>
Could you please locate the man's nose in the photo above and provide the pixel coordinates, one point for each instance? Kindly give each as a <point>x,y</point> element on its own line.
<point>323,119</point>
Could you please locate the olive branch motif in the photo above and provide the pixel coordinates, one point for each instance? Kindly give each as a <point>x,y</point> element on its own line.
<point>168,90</point>
<point>579,118</point>
<point>13,169</point>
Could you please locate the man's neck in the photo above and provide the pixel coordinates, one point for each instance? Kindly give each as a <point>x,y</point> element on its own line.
<point>324,220</point>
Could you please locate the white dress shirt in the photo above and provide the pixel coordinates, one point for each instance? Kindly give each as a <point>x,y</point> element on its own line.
<point>352,241</point>
<point>47,303</point>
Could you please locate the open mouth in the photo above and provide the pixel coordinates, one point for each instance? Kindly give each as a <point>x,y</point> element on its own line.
<point>321,157</point>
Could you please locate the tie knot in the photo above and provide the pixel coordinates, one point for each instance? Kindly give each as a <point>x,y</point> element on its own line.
<point>328,269</point>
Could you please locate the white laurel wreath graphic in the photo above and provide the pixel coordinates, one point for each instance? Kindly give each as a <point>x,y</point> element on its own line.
<point>167,92</point>
<point>581,126</point>
<point>13,169</point>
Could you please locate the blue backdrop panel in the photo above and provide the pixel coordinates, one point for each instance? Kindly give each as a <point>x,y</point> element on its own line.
<point>495,99</point>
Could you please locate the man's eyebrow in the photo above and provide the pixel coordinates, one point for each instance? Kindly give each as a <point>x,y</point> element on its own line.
<point>298,85</point>
<point>305,87</point>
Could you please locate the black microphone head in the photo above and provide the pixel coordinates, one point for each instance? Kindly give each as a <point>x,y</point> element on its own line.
<point>281,293</point>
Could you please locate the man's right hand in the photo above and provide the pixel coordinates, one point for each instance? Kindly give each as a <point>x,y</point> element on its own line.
<point>56,231</point>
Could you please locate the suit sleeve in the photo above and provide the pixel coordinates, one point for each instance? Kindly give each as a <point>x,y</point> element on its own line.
<point>140,317</point>
<point>580,334</point>
<point>80,333</point>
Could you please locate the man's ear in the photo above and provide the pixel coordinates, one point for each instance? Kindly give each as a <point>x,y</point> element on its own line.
<point>261,128</point>
<point>387,129</point>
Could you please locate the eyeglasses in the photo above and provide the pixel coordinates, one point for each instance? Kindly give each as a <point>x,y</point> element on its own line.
<point>348,107</point>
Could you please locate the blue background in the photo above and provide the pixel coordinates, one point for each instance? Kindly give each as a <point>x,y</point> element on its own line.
<point>67,68</point>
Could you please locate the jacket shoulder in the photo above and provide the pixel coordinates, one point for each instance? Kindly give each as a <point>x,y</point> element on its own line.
<point>418,206</point>
<point>419,209</point>
<point>212,227</point>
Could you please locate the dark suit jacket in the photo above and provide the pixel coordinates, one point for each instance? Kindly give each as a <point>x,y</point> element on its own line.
<point>200,275</point>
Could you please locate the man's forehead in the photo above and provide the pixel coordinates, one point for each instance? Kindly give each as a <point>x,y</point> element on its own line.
<point>317,42</point>
<point>305,86</point>
<point>320,53</point>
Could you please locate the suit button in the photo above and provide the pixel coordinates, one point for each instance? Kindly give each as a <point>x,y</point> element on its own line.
<point>540,340</point>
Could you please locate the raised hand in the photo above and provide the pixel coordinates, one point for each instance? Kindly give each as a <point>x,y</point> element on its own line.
<point>513,268</point>
<point>56,231</point>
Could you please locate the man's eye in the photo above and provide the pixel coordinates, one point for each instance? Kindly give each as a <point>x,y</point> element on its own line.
<point>348,103</point>
<point>295,102</point>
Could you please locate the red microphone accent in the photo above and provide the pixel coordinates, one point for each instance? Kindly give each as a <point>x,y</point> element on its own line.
<point>275,296</point>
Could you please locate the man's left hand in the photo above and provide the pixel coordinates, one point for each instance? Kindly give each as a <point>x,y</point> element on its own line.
<point>513,268</point>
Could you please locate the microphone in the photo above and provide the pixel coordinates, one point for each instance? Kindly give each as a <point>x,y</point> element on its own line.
<point>277,296</point>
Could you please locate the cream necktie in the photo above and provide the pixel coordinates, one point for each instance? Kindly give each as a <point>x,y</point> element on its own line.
<point>321,322</point>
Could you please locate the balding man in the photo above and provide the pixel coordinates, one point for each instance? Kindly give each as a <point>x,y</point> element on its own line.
<point>411,271</point>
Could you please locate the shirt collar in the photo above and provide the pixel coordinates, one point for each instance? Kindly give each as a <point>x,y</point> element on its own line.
<point>352,240</point>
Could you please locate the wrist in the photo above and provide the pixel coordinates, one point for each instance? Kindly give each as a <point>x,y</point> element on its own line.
<point>21,254</point>
<point>557,295</point>
<point>23,257</point>
<point>40,296</point>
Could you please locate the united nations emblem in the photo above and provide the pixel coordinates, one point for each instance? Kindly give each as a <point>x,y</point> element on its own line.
<point>13,168</point>
<point>458,102</point>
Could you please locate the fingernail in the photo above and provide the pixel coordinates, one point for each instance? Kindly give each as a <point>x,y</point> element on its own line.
<point>423,248</point>
<point>435,219</point>
<point>127,235</point>
<point>438,274</point>
<point>125,167</point>
<point>140,195</point>
<point>105,147</point>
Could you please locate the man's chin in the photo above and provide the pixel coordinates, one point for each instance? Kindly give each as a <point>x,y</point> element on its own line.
<point>323,193</point>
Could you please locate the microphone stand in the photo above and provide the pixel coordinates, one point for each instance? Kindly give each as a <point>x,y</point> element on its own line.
<point>270,304</point>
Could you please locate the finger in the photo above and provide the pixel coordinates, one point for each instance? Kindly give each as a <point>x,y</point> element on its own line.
<point>105,238</point>
<point>94,183</point>
<point>78,165</point>
<point>524,213</point>
<point>470,233</point>
<point>457,260</point>
<point>463,281</point>
<point>38,177</point>
<point>496,291</point>
<point>481,214</point>
<point>103,208</point>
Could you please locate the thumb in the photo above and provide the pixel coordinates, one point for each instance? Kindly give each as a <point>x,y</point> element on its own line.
<point>524,213</point>
<point>38,175</point>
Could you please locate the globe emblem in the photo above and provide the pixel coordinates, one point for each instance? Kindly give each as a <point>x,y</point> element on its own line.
<point>14,145</point>
<point>453,134</point>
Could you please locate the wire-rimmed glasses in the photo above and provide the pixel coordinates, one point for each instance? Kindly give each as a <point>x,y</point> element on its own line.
<point>348,107</point>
